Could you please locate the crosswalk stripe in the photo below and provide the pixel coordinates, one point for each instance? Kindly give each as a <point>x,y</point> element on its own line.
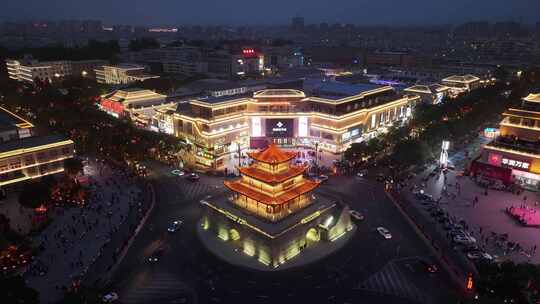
<point>391,280</point>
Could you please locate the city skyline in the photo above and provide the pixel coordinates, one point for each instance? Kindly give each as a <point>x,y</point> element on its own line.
<point>241,12</point>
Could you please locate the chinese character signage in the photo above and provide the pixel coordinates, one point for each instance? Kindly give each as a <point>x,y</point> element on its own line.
<point>515,163</point>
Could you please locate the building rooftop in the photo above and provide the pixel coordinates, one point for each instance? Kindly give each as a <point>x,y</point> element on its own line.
<point>32,143</point>
<point>272,178</point>
<point>428,89</point>
<point>292,193</point>
<point>532,97</point>
<point>272,155</point>
<point>126,66</point>
<point>223,99</point>
<point>335,90</point>
<point>279,93</point>
<point>462,78</point>
<point>134,95</point>
<point>10,120</point>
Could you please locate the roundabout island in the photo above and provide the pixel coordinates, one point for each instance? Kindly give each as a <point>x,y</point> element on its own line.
<point>273,219</point>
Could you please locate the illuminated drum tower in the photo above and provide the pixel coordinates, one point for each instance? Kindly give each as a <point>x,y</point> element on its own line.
<point>272,213</point>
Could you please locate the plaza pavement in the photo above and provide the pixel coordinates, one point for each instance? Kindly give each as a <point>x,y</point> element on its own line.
<point>487,218</point>
<point>76,237</point>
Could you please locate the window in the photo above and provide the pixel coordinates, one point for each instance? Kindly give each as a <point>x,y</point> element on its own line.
<point>29,160</point>
<point>41,156</point>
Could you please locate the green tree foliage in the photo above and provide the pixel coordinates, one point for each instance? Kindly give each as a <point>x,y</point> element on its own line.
<point>410,152</point>
<point>93,50</point>
<point>143,44</point>
<point>509,282</point>
<point>73,166</point>
<point>16,291</point>
<point>35,193</point>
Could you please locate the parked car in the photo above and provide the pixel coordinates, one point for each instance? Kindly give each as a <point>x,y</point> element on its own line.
<point>424,196</point>
<point>464,239</point>
<point>322,178</point>
<point>476,255</point>
<point>110,297</point>
<point>384,232</point>
<point>357,215</point>
<point>175,226</point>
<point>178,172</point>
<point>362,173</point>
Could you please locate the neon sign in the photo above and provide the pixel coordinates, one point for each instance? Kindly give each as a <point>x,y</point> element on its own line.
<point>248,51</point>
<point>515,163</point>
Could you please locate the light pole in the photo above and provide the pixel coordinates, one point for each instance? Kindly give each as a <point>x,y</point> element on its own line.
<point>443,159</point>
<point>317,156</point>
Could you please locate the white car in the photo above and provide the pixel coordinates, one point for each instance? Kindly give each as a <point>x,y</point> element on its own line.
<point>384,232</point>
<point>475,255</point>
<point>322,178</point>
<point>464,239</point>
<point>175,226</point>
<point>110,297</point>
<point>178,172</point>
<point>357,215</point>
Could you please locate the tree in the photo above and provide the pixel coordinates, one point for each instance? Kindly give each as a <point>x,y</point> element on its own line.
<point>73,166</point>
<point>410,152</point>
<point>509,282</point>
<point>143,43</point>
<point>34,194</point>
<point>16,291</point>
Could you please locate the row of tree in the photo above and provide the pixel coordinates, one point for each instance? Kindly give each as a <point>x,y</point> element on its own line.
<point>420,140</point>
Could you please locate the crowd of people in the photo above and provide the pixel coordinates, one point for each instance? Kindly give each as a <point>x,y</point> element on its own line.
<point>78,236</point>
<point>525,215</point>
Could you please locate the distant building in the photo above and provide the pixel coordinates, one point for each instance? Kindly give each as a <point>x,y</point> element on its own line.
<point>401,59</point>
<point>24,156</point>
<point>462,83</point>
<point>138,104</point>
<point>297,24</point>
<point>173,60</point>
<point>122,74</point>
<point>29,69</point>
<point>429,94</point>
<point>237,63</point>
<point>514,156</point>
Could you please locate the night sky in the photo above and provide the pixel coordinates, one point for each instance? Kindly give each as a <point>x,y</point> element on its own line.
<point>236,12</point>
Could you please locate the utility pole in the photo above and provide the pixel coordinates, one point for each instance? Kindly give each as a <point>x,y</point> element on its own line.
<point>317,156</point>
<point>239,158</point>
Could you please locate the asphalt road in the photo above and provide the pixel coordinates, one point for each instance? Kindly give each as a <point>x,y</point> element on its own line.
<point>369,269</point>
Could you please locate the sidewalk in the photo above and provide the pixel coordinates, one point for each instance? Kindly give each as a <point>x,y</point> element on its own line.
<point>77,236</point>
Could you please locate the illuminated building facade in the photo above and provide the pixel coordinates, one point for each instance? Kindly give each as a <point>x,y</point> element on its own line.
<point>122,74</point>
<point>514,156</point>
<point>462,83</point>
<point>24,156</point>
<point>272,213</point>
<point>138,104</point>
<point>430,94</point>
<point>28,69</point>
<point>218,127</point>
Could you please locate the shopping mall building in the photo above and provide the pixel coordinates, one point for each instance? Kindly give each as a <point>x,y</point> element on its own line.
<point>514,156</point>
<point>218,127</point>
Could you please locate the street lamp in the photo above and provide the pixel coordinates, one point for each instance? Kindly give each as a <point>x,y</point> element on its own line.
<point>84,73</point>
<point>443,159</point>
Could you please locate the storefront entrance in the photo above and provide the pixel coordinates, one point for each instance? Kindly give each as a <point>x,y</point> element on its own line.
<point>284,142</point>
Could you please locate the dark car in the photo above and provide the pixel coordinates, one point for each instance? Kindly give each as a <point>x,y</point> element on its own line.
<point>154,257</point>
<point>428,265</point>
<point>193,177</point>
